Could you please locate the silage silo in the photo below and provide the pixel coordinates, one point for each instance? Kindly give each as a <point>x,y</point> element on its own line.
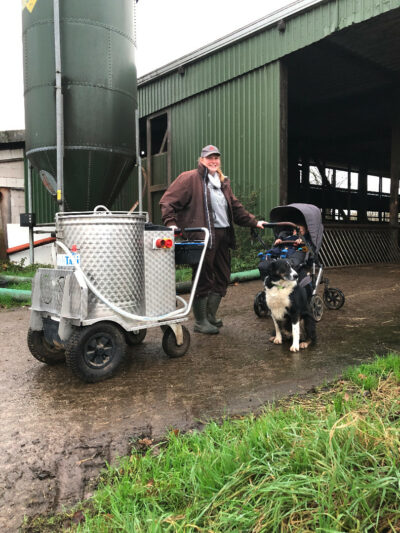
<point>99,95</point>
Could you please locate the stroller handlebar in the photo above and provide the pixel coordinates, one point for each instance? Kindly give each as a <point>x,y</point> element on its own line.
<point>294,243</point>
<point>273,224</point>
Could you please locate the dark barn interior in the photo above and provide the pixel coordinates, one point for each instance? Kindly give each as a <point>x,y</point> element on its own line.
<point>344,123</point>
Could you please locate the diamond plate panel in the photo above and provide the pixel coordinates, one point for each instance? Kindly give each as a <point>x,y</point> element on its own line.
<point>111,255</point>
<point>160,286</point>
<point>48,289</point>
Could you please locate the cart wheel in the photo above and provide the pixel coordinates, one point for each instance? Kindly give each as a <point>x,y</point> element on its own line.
<point>134,338</point>
<point>169,343</point>
<point>317,307</point>
<point>43,350</point>
<point>333,298</point>
<point>260,305</point>
<point>95,352</point>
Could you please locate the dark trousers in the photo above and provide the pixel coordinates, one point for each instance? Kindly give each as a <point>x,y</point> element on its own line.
<point>216,271</point>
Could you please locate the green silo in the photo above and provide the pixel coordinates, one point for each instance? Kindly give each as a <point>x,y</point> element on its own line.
<point>99,95</point>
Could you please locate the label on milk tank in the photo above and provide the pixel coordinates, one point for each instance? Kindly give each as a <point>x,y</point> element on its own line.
<point>65,260</point>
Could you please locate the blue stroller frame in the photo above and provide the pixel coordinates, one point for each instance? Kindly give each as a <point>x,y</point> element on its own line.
<point>310,270</point>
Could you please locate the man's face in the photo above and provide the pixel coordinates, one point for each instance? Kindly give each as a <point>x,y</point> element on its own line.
<point>212,162</point>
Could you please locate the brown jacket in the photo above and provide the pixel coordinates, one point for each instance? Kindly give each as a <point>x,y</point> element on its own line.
<point>187,204</point>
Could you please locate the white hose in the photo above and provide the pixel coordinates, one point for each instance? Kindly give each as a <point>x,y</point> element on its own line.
<point>174,314</point>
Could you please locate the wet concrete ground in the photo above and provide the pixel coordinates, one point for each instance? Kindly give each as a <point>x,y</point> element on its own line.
<point>57,433</point>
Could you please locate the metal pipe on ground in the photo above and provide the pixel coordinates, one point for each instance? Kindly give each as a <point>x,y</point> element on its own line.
<point>14,279</point>
<point>16,294</point>
<point>247,275</point>
<point>181,287</point>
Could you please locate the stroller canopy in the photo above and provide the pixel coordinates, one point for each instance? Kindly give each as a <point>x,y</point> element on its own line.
<point>304,215</point>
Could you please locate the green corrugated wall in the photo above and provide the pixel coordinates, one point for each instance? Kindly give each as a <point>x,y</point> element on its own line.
<point>302,29</point>
<point>44,205</point>
<point>242,119</point>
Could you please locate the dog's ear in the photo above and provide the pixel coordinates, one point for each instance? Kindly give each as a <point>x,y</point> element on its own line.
<point>271,268</point>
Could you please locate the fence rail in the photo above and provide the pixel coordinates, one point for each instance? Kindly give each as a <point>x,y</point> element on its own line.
<point>343,246</point>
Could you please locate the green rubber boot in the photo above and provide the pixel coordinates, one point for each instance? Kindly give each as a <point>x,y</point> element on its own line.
<point>213,302</point>
<point>202,325</point>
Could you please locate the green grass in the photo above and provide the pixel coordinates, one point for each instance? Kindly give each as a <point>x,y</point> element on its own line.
<point>7,302</point>
<point>183,274</point>
<point>9,268</point>
<point>326,462</point>
<point>21,286</point>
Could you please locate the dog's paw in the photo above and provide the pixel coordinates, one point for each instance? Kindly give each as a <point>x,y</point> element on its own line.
<point>305,344</point>
<point>294,348</point>
<point>276,340</point>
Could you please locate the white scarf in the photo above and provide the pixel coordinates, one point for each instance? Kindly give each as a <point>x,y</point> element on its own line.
<point>215,181</point>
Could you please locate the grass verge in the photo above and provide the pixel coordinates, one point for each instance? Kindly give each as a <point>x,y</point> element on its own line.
<point>9,268</point>
<point>328,461</point>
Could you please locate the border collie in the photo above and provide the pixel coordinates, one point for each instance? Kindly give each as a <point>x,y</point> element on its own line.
<point>288,304</point>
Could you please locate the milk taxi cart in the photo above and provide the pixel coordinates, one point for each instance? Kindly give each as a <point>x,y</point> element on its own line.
<point>113,279</point>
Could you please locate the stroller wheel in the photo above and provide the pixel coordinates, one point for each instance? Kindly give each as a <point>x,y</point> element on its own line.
<point>260,305</point>
<point>317,307</point>
<point>333,298</point>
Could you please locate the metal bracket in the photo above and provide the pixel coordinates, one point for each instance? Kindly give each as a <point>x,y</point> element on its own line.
<point>177,329</point>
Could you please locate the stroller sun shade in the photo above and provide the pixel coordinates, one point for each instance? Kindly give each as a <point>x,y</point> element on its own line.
<point>304,215</point>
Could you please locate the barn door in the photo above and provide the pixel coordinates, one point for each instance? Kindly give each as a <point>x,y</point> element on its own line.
<point>158,162</point>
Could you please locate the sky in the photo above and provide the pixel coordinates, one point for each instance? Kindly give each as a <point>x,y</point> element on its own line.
<point>165,30</point>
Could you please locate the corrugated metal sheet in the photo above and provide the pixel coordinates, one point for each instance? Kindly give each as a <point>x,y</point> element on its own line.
<point>44,205</point>
<point>242,119</point>
<point>256,50</point>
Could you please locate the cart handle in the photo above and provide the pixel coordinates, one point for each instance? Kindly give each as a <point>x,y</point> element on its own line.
<point>178,231</point>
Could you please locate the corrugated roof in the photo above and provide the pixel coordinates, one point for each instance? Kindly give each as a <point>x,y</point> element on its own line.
<point>242,33</point>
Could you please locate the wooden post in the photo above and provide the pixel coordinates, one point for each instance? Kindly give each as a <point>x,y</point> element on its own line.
<point>283,135</point>
<point>394,176</point>
<point>149,169</point>
<point>362,196</point>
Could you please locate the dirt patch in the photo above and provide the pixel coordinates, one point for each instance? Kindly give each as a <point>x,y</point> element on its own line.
<point>57,433</point>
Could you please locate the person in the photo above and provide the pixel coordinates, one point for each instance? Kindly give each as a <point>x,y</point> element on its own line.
<point>294,250</point>
<point>203,198</point>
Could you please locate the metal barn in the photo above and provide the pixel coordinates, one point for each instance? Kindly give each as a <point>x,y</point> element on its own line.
<point>304,104</point>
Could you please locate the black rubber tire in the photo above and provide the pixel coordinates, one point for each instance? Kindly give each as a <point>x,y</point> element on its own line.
<point>317,307</point>
<point>333,298</point>
<point>133,339</point>
<point>169,343</point>
<point>260,305</point>
<point>95,352</point>
<point>44,351</point>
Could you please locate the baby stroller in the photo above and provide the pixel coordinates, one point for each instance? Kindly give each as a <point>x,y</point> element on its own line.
<point>310,270</point>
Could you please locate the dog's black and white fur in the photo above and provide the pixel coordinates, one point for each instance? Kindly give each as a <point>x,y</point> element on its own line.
<point>288,304</point>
